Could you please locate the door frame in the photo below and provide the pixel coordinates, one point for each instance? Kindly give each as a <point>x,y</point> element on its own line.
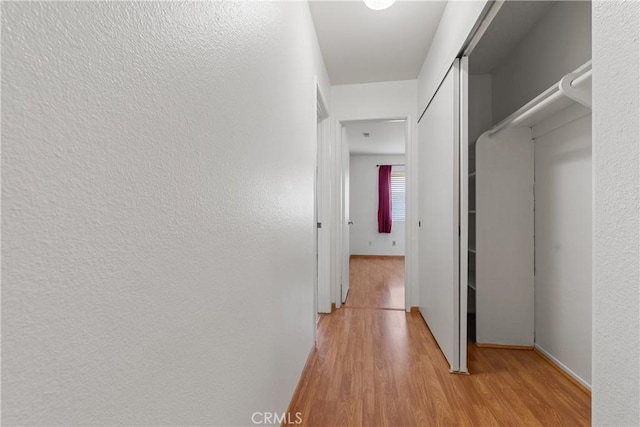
<point>322,208</point>
<point>345,201</point>
<point>463,209</point>
<point>411,219</point>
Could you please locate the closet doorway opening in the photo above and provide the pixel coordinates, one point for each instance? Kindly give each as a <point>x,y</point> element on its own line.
<point>505,190</point>
<point>374,213</point>
<point>527,222</point>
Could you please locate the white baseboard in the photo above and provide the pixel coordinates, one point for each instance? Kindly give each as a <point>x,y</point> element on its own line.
<point>563,367</point>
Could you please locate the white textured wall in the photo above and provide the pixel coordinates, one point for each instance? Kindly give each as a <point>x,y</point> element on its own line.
<point>157,210</point>
<point>563,245</point>
<point>364,209</point>
<point>616,225</point>
<point>558,44</point>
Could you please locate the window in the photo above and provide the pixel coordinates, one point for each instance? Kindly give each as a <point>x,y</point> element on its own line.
<point>398,179</point>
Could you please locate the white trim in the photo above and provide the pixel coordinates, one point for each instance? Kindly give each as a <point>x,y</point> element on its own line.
<point>346,220</point>
<point>316,243</point>
<point>336,214</point>
<point>411,288</point>
<point>563,367</point>
<point>323,199</point>
<point>463,176</point>
<point>457,317</point>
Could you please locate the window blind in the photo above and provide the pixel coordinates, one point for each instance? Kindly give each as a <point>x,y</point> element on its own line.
<point>398,179</point>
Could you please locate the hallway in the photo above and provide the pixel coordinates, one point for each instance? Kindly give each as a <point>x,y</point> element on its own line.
<point>383,367</point>
<point>174,211</point>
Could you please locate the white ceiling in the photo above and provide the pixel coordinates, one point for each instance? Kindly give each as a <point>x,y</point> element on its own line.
<point>514,20</point>
<point>384,137</point>
<point>360,45</point>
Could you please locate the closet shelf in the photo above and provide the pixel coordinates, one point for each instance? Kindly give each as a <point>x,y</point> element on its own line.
<point>571,89</point>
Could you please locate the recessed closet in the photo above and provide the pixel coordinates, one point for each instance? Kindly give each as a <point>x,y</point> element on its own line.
<point>529,216</point>
<point>523,190</point>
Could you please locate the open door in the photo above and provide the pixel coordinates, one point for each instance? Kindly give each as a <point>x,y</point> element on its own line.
<point>346,248</point>
<point>441,290</point>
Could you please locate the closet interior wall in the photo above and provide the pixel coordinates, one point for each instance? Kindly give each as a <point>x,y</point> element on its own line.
<point>555,299</point>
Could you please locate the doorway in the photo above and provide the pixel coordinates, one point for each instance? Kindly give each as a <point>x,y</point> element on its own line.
<point>373,259</point>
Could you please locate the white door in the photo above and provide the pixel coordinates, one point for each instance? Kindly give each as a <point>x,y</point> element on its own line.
<point>439,216</point>
<point>346,250</point>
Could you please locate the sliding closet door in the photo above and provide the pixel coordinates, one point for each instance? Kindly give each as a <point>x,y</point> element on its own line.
<point>439,248</point>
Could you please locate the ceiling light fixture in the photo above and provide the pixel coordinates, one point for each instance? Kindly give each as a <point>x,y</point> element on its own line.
<point>378,4</point>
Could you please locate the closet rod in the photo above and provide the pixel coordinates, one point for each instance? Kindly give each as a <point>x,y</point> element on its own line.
<point>581,78</point>
<point>398,164</point>
<point>565,88</point>
<point>520,116</point>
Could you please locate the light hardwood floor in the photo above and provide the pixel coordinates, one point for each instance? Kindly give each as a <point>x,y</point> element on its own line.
<point>376,282</point>
<point>377,367</point>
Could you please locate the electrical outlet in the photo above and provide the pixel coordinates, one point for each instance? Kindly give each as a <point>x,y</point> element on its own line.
<point>393,243</point>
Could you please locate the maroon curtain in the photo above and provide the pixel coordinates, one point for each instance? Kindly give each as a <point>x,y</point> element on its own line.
<point>384,199</point>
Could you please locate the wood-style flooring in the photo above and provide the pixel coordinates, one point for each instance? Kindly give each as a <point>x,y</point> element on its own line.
<point>376,367</point>
<point>376,282</point>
